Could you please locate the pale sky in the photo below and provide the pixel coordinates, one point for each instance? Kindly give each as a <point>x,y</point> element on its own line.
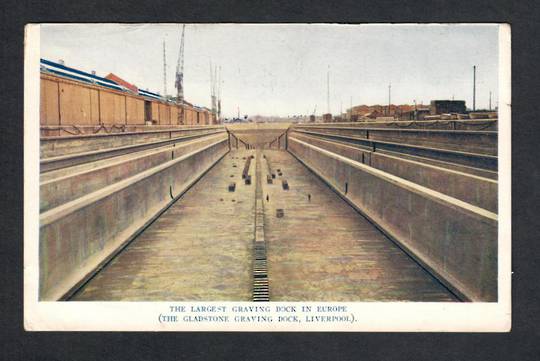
<point>281,70</point>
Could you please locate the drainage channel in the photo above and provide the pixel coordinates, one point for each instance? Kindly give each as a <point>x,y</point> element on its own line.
<point>260,265</point>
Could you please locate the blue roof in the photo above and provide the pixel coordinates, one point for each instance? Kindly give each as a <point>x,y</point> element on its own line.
<point>146,93</point>
<point>76,71</point>
<point>72,73</point>
<point>75,74</point>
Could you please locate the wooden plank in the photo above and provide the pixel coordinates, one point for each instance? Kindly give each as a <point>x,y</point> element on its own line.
<point>155,112</point>
<point>120,108</point>
<point>174,114</point>
<point>188,118</point>
<point>134,110</point>
<point>49,112</point>
<point>106,105</point>
<point>94,106</point>
<point>74,104</point>
<point>112,107</point>
<point>164,114</point>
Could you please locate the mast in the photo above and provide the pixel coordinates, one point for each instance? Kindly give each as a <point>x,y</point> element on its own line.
<point>474,89</point>
<point>179,82</point>
<point>164,70</point>
<point>219,95</point>
<point>389,97</point>
<point>328,90</point>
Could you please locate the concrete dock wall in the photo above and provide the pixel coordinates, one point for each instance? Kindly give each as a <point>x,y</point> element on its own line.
<point>70,185</point>
<point>478,191</point>
<point>79,236</point>
<point>260,135</point>
<point>58,146</point>
<point>481,142</point>
<point>476,163</point>
<point>455,241</point>
<point>465,124</point>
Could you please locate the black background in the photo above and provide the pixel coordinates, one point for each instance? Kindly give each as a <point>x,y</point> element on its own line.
<point>520,344</point>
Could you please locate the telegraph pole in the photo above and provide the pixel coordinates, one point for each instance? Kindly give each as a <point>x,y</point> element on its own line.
<point>489,100</point>
<point>389,97</point>
<point>350,118</point>
<point>164,70</point>
<point>328,90</point>
<point>474,89</point>
<point>179,82</point>
<point>179,79</point>
<point>219,95</point>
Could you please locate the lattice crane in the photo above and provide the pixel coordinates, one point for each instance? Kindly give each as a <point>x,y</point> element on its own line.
<point>179,83</point>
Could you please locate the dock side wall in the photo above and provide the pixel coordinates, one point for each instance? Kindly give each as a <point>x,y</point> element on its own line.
<point>455,241</point>
<point>78,236</point>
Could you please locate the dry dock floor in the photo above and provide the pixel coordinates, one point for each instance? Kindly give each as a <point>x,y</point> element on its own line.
<point>199,249</point>
<point>319,250</point>
<point>323,250</point>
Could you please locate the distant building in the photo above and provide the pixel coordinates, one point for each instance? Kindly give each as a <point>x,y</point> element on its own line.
<point>483,115</point>
<point>415,114</point>
<point>327,118</point>
<point>122,82</point>
<point>401,111</point>
<point>373,115</point>
<point>447,106</point>
<point>384,119</point>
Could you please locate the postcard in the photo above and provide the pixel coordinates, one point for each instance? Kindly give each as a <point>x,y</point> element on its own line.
<point>267,177</point>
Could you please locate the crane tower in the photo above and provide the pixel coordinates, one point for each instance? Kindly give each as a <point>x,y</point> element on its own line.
<point>164,70</point>
<point>179,83</point>
<point>219,95</point>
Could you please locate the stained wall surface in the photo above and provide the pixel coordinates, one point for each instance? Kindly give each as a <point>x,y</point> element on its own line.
<point>67,102</point>
<point>454,240</point>
<point>77,236</point>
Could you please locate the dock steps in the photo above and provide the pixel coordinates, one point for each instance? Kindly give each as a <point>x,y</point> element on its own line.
<point>261,289</point>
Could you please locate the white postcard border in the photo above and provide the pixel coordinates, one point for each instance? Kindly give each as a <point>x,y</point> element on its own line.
<point>356,316</point>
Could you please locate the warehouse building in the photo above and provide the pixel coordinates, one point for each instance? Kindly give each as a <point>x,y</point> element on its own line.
<point>71,97</point>
<point>447,107</point>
